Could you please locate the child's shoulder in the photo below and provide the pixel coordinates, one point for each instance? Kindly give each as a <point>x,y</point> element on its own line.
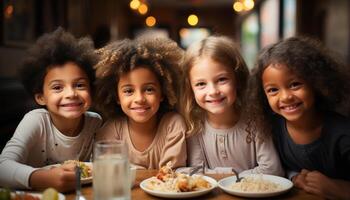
<point>93,120</point>
<point>115,123</point>
<point>38,113</point>
<point>172,120</point>
<point>172,117</point>
<point>338,123</point>
<point>112,127</point>
<point>172,125</point>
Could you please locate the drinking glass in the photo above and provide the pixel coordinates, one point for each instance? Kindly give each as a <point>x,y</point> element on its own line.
<point>111,171</point>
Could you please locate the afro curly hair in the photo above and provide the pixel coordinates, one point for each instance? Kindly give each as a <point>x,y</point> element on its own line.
<point>54,50</point>
<point>161,55</point>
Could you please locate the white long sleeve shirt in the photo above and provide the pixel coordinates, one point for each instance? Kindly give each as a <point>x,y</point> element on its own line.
<point>37,143</point>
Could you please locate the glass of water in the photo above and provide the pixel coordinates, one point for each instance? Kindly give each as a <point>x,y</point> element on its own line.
<point>111,171</point>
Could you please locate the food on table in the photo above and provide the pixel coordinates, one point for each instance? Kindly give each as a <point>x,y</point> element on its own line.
<point>5,194</point>
<point>86,171</point>
<point>50,194</point>
<point>256,184</point>
<point>169,181</point>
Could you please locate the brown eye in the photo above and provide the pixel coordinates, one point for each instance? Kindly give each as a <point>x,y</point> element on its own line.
<point>199,84</point>
<point>128,91</point>
<point>271,91</point>
<point>295,85</point>
<point>149,89</point>
<point>56,88</point>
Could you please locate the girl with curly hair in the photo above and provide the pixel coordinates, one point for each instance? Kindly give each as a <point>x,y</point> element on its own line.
<point>297,91</point>
<point>58,73</point>
<point>214,85</point>
<point>137,91</point>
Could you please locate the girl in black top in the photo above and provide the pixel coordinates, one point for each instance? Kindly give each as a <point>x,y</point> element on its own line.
<point>299,93</point>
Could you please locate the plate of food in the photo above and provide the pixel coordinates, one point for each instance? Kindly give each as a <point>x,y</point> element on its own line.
<point>48,194</point>
<point>169,184</point>
<point>256,185</point>
<point>86,172</point>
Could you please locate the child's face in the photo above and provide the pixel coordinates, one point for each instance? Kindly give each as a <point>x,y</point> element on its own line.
<point>66,92</point>
<point>213,85</point>
<point>288,94</point>
<point>139,94</point>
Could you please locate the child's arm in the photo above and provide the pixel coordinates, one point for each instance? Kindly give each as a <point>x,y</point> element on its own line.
<point>174,149</point>
<point>195,155</point>
<point>321,185</point>
<point>14,169</point>
<point>61,178</point>
<point>267,158</point>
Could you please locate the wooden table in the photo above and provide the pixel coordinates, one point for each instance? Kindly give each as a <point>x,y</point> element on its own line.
<point>138,193</point>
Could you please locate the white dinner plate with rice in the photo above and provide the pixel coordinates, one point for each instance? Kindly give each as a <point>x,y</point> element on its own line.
<point>272,185</point>
<point>178,195</point>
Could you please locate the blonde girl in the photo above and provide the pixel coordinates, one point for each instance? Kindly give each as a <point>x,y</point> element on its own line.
<point>215,78</point>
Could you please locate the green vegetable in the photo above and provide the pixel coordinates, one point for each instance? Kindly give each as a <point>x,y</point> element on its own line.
<point>5,194</point>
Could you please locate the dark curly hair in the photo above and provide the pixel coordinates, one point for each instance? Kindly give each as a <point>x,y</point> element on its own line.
<point>161,55</point>
<point>311,61</point>
<point>54,50</point>
<point>224,51</point>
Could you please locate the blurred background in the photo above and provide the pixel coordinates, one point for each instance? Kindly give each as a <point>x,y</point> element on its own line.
<point>251,23</point>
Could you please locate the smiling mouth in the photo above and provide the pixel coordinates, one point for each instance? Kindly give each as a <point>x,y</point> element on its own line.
<point>140,110</point>
<point>216,101</point>
<point>71,105</point>
<point>290,108</point>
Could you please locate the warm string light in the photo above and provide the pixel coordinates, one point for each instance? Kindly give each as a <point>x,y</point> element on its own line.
<point>8,11</point>
<point>151,21</point>
<point>243,5</point>
<point>139,5</point>
<point>142,8</point>
<point>192,20</point>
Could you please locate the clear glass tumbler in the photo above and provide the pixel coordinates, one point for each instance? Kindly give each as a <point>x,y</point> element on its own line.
<point>111,171</point>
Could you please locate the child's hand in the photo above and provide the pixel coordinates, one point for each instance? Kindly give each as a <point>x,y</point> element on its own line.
<point>299,180</point>
<point>61,178</point>
<point>321,185</point>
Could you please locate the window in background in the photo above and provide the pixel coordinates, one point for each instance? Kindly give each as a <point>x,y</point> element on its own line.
<point>289,18</point>
<point>151,32</point>
<point>249,39</point>
<point>269,15</point>
<point>190,35</point>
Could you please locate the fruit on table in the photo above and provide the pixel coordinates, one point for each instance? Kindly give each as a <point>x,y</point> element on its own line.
<point>5,194</point>
<point>50,194</point>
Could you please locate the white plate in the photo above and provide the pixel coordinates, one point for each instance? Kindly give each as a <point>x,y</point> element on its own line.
<point>84,181</point>
<point>179,195</point>
<point>226,185</point>
<point>60,195</point>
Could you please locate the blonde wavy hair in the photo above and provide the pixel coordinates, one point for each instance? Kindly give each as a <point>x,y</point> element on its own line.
<point>222,50</point>
<point>162,56</point>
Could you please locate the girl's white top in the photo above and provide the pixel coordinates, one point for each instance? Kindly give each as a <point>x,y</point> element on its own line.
<point>37,143</point>
<point>220,150</point>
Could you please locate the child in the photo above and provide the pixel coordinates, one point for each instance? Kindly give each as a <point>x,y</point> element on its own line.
<point>136,84</point>
<point>58,73</point>
<point>297,89</point>
<point>215,77</point>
